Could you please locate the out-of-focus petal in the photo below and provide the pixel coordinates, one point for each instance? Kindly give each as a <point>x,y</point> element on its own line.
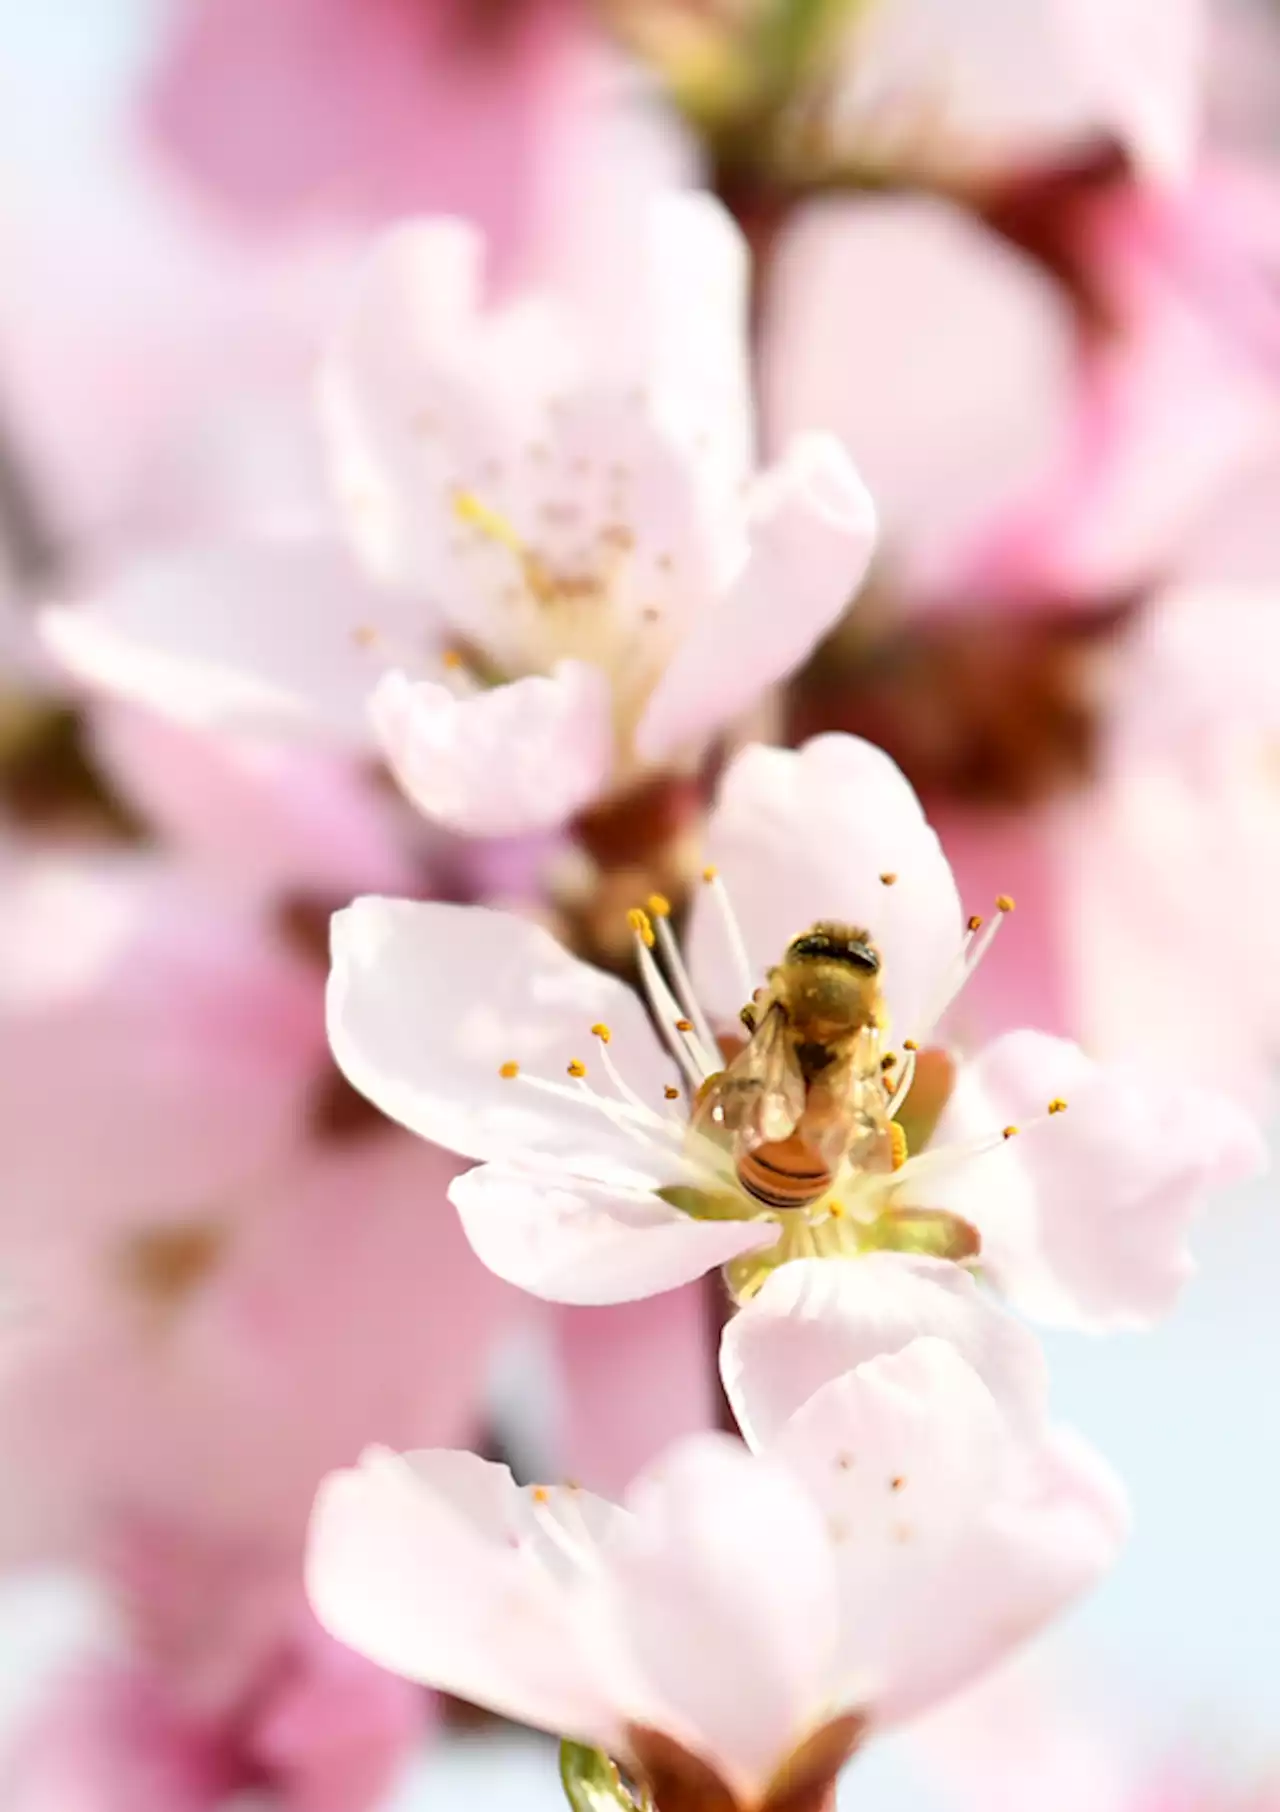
<point>633,1377</point>
<point>812,527</point>
<point>514,758</point>
<point>266,635</point>
<point>159,1018</point>
<point>887,311</point>
<point>254,809</point>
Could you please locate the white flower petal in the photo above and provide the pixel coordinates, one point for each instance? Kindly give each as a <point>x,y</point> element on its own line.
<point>427,1002</point>
<point>815,1319</point>
<point>1084,1217</point>
<point>572,1239</point>
<point>723,1604</point>
<point>805,835</point>
<point>519,757</point>
<point>428,1564</point>
<point>262,635</point>
<point>812,528</point>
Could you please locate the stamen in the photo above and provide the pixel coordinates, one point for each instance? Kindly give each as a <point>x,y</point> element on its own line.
<point>577,1549</point>
<point>899,1138</point>
<point>905,1079</point>
<point>670,1093</point>
<point>979,938</point>
<point>1010,1132</point>
<point>687,1048</point>
<point>577,1067</point>
<point>509,1071</point>
<point>694,1018</point>
<point>888,880</point>
<point>602,1032</point>
<point>641,925</point>
<point>1057,1105</point>
<point>468,508</point>
<point>732,930</point>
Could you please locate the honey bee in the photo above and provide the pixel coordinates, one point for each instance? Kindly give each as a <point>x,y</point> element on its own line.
<point>807,1092</point>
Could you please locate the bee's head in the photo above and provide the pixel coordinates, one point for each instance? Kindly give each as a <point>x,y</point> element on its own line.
<point>833,943</point>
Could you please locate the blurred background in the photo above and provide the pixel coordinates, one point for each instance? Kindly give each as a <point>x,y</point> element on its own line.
<point>1025,259</point>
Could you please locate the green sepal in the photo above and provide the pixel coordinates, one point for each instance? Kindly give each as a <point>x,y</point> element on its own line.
<point>591,1781</point>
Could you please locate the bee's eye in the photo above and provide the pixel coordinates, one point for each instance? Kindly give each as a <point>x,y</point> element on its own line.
<point>861,956</point>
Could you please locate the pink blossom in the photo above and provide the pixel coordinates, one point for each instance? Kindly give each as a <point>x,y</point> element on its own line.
<point>895,1529</point>
<point>561,528</point>
<point>606,1191</point>
<point>991,85</point>
<point>395,107</point>
<point>321,1729</point>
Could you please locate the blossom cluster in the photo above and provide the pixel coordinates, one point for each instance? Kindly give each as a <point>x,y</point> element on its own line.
<point>694,787</point>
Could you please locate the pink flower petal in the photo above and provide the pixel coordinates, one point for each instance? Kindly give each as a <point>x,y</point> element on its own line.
<point>434,1565</point>
<point>885,313</point>
<point>815,1319</point>
<point>428,1002</point>
<point>952,1540</point>
<point>515,758</point>
<point>1084,1216</point>
<point>805,835</point>
<point>734,1671</point>
<point>264,635</point>
<point>165,1021</point>
<point>571,1239</point>
<point>812,527</point>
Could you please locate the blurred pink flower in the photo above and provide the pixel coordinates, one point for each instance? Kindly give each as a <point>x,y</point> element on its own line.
<point>741,1603</point>
<point>586,634</point>
<point>1176,818</point>
<point>318,1728</point>
<point>981,88</point>
<point>1082,1217</point>
<point>395,107</point>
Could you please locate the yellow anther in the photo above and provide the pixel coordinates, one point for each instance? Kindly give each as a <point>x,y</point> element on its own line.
<point>835,1211</point>
<point>898,1139</point>
<point>684,1025</point>
<point>1010,1132</point>
<point>975,923</point>
<point>659,906</point>
<point>601,1031</point>
<point>540,1495</point>
<point>1057,1105</point>
<point>468,508</point>
<point>640,923</point>
<point>709,873</point>
<point>509,1071</point>
<point>1003,903</point>
<point>364,635</point>
<point>670,1093</point>
<point>888,879</point>
<point>896,1484</point>
<point>577,1067</point>
<point>452,659</point>
<point>909,1044</point>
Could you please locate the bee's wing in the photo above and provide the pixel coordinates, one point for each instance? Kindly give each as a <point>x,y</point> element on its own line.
<point>847,1114</point>
<point>761,1095</point>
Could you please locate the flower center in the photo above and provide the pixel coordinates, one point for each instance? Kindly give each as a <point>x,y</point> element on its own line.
<point>802,1125</point>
